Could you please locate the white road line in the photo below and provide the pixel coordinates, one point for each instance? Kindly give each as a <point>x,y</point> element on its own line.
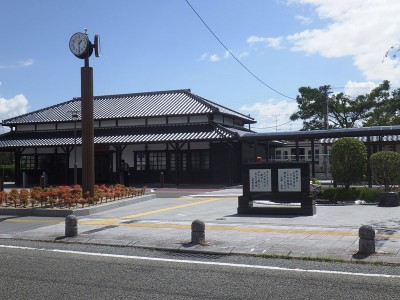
<point>201,262</point>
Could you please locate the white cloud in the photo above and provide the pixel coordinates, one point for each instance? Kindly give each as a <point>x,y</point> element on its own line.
<point>304,20</point>
<point>361,29</point>
<point>27,63</point>
<point>13,107</point>
<point>218,57</point>
<point>272,115</point>
<point>268,41</point>
<point>24,63</point>
<point>243,54</point>
<point>214,58</point>
<point>354,89</point>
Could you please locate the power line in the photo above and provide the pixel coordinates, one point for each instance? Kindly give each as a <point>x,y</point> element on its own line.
<point>273,126</point>
<point>230,52</point>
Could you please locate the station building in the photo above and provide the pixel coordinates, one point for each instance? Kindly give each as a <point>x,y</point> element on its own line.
<point>138,138</point>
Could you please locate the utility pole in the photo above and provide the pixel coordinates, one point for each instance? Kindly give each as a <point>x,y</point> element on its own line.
<point>326,91</point>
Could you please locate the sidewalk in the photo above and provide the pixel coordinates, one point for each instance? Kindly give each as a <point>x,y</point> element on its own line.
<point>165,223</point>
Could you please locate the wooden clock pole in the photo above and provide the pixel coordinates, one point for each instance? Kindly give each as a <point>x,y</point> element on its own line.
<point>81,47</point>
<point>87,129</point>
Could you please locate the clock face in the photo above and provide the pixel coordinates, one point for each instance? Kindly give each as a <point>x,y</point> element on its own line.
<point>78,44</point>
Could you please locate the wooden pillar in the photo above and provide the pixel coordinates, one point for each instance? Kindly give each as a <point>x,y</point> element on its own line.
<point>87,131</point>
<point>312,159</point>
<point>17,167</point>
<point>297,150</point>
<point>177,163</point>
<point>369,172</point>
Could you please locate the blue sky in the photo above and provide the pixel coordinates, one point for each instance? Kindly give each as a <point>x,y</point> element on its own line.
<point>157,45</point>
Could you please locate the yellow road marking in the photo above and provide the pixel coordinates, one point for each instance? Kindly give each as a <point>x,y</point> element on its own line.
<point>243,229</point>
<point>214,228</point>
<point>113,220</point>
<point>205,198</point>
<point>169,208</point>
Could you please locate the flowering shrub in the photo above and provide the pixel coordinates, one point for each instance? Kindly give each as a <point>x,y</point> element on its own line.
<point>3,197</point>
<point>24,197</point>
<point>13,197</point>
<point>65,196</point>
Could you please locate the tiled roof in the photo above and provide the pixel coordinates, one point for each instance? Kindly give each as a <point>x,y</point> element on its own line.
<point>373,139</point>
<point>121,135</point>
<point>137,105</point>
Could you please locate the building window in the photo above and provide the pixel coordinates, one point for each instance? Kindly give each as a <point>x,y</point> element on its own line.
<point>200,160</point>
<point>44,162</point>
<point>309,154</point>
<point>278,154</point>
<point>183,161</point>
<point>317,155</point>
<point>285,155</point>
<point>27,162</point>
<point>140,161</point>
<point>157,161</point>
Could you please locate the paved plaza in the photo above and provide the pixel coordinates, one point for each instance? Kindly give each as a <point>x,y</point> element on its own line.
<point>165,223</point>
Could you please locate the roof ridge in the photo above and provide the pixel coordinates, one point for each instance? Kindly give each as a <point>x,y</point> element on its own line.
<point>220,128</point>
<point>43,109</point>
<point>202,101</point>
<point>139,93</point>
<point>227,108</point>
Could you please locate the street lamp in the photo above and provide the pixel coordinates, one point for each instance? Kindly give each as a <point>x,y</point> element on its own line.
<point>74,115</point>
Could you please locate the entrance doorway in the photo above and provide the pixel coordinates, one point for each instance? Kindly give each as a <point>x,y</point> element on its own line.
<point>102,168</point>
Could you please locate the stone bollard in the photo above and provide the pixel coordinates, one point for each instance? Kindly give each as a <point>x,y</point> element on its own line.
<point>71,226</point>
<point>367,240</point>
<point>198,232</point>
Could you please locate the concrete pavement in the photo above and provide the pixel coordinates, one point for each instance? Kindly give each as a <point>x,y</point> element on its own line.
<point>165,223</point>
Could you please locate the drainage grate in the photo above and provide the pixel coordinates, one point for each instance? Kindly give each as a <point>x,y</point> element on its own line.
<point>196,255</point>
<point>99,229</point>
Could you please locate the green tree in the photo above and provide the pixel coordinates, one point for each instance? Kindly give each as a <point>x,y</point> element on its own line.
<point>343,111</point>
<point>386,106</point>
<point>385,167</point>
<point>311,103</point>
<point>348,161</point>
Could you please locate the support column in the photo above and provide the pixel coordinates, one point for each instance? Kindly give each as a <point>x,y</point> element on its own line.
<point>87,130</point>
<point>312,159</point>
<point>369,172</point>
<point>17,167</point>
<point>297,150</point>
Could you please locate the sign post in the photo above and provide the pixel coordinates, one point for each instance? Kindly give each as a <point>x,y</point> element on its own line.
<point>280,183</point>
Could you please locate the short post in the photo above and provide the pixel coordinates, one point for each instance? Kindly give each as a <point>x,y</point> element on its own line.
<point>43,180</point>
<point>71,226</point>
<point>24,179</point>
<point>162,179</point>
<point>198,232</point>
<point>367,240</point>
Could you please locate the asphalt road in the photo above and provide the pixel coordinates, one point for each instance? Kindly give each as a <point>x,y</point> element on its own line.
<point>31,270</point>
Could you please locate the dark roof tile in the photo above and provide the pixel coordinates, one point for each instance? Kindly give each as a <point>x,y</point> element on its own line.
<point>123,135</point>
<point>138,105</point>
